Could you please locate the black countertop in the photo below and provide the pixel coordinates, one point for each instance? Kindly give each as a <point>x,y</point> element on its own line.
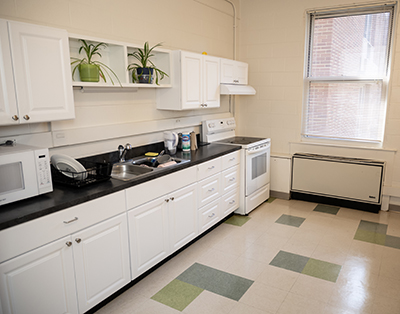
<point>63,197</point>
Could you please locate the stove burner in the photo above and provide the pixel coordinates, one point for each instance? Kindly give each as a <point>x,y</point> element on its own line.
<point>241,140</point>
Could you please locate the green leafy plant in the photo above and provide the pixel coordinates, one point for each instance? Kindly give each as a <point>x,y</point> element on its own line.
<point>90,51</point>
<point>143,56</point>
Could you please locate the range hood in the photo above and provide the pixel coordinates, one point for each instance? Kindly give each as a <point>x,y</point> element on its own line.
<point>234,89</point>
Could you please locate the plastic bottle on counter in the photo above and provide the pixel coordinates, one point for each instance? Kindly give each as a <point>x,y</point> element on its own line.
<point>186,141</point>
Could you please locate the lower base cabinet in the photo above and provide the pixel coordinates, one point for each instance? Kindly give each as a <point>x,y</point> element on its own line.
<point>43,280</point>
<point>161,226</point>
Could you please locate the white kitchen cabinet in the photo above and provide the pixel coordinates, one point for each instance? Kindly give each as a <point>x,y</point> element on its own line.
<point>40,281</point>
<point>101,256</point>
<point>209,215</point>
<point>183,216</point>
<point>148,235</point>
<point>160,227</point>
<point>209,189</point>
<point>234,72</point>
<point>41,76</point>
<point>196,80</point>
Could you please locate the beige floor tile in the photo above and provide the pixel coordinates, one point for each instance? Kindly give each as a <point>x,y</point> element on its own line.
<point>300,247</point>
<point>341,241</point>
<point>151,284</point>
<point>263,297</point>
<point>217,259</point>
<point>276,277</point>
<point>247,268</point>
<point>261,253</point>
<point>330,254</point>
<point>234,245</point>
<point>382,217</point>
<point>385,305</point>
<point>124,303</point>
<point>241,308</point>
<point>314,288</point>
<point>210,303</point>
<point>349,213</point>
<point>388,287</point>
<point>343,227</point>
<point>271,241</point>
<point>280,230</point>
<point>357,277</point>
<point>297,304</point>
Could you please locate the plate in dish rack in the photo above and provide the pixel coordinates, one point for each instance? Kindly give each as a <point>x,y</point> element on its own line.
<point>69,166</point>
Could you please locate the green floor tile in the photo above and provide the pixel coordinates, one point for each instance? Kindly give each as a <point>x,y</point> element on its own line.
<point>373,226</point>
<point>323,270</point>
<point>392,241</point>
<point>237,220</point>
<point>177,294</point>
<point>369,236</point>
<point>290,261</point>
<point>270,200</point>
<point>216,281</point>
<point>290,220</point>
<point>333,210</point>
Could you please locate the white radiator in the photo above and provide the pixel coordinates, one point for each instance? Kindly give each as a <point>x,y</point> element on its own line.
<point>352,179</point>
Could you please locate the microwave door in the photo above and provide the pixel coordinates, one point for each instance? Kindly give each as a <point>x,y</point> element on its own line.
<point>256,170</point>
<point>17,177</point>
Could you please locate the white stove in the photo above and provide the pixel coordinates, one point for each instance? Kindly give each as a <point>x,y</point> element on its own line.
<point>255,161</point>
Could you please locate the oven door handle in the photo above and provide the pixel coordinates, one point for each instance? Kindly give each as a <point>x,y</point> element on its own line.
<point>258,151</point>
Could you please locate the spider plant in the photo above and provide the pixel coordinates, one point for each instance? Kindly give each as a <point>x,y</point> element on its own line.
<point>87,66</point>
<point>143,72</point>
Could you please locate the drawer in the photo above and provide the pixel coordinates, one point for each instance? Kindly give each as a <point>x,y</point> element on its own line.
<point>208,168</point>
<point>230,160</point>
<point>37,232</point>
<point>230,202</point>
<point>145,192</point>
<point>209,215</point>
<point>209,189</point>
<point>230,179</point>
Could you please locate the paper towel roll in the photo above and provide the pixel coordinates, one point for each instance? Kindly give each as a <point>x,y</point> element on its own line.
<point>193,141</point>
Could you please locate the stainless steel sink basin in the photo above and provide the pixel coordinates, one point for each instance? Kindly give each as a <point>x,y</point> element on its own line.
<point>151,162</point>
<point>128,171</point>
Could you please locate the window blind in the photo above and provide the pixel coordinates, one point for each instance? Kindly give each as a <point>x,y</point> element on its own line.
<point>347,73</point>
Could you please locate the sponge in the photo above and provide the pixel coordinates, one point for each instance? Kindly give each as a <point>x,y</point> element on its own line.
<point>150,154</point>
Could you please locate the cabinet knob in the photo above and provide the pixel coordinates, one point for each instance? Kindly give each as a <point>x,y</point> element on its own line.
<point>235,81</point>
<point>26,117</point>
<point>167,200</point>
<point>205,105</point>
<point>172,198</point>
<point>15,117</point>
<point>69,243</point>
<point>78,240</point>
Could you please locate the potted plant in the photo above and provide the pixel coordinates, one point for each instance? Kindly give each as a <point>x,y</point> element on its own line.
<point>91,70</point>
<point>145,70</point>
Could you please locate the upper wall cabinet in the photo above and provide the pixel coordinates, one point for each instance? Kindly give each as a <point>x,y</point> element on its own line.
<point>35,76</point>
<point>196,80</point>
<point>114,56</point>
<point>234,72</point>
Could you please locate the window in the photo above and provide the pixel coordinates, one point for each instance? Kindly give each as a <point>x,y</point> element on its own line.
<point>347,73</point>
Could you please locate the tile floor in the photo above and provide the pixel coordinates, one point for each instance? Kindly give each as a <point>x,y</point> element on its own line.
<point>285,257</point>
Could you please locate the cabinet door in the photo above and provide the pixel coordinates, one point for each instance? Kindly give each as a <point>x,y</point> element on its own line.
<point>40,281</point>
<point>183,216</point>
<point>192,80</point>
<point>211,81</point>
<point>42,72</point>
<point>241,73</point>
<point>148,235</point>
<point>8,104</point>
<point>101,255</point>
<point>209,189</point>
<point>227,71</point>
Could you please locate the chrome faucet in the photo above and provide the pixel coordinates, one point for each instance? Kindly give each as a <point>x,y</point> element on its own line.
<point>123,150</point>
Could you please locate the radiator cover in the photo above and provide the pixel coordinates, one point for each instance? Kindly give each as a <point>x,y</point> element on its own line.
<point>350,179</point>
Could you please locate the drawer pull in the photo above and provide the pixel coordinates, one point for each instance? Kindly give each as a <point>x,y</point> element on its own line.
<point>72,220</point>
<point>232,179</point>
<point>232,159</point>
<point>211,168</point>
<point>69,243</point>
<point>78,240</point>
<point>232,202</point>
<point>211,190</point>
<point>211,216</point>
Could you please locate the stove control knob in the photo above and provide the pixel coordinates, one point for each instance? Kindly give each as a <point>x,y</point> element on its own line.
<point>211,125</point>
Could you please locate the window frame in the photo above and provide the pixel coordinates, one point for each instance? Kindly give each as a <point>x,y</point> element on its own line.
<point>390,7</point>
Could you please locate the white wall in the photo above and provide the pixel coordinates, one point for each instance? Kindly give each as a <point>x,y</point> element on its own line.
<point>114,118</point>
<point>272,41</point>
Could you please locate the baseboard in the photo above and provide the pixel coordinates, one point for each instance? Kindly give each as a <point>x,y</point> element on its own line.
<point>281,195</point>
<point>373,208</point>
<point>395,208</point>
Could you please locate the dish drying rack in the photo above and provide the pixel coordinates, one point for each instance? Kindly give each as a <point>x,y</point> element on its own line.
<point>95,172</point>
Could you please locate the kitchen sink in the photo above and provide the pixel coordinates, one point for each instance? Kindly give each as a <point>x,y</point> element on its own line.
<point>131,169</point>
<point>128,171</point>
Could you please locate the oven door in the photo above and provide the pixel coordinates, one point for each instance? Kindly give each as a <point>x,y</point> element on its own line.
<point>257,168</point>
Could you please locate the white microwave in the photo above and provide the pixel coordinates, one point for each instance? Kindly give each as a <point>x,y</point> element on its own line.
<point>24,172</point>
